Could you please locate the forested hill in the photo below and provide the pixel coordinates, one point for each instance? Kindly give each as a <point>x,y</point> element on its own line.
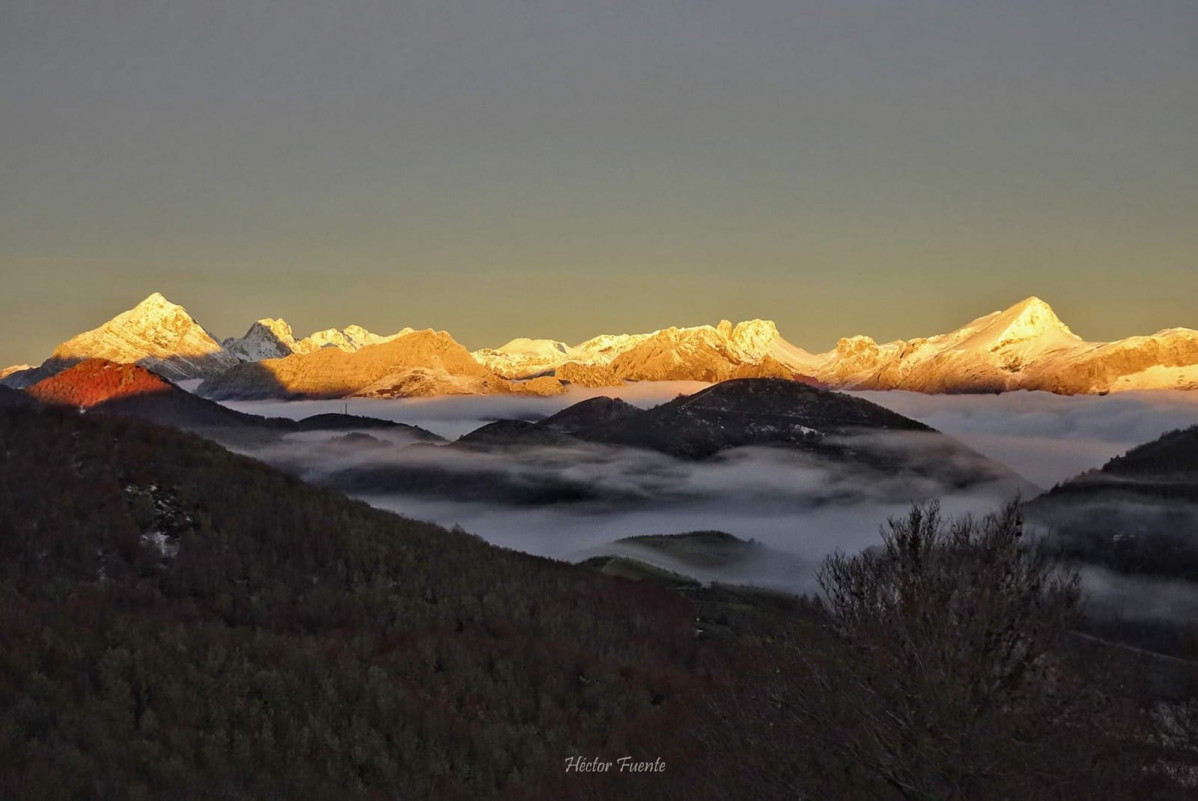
<point>1172,455</point>
<point>178,621</point>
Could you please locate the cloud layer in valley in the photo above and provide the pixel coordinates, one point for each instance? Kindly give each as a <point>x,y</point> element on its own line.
<point>794,504</point>
<point>1048,438</point>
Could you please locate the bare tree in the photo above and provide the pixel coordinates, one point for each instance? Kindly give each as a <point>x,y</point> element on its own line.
<point>943,666</point>
<point>942,638</point>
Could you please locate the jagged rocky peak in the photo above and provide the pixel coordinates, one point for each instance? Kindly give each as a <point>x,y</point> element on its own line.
<point>857,347</point>
<point>268,338</point>
<point>589,414</point>
<point>754,337</point>
<point>277,327</point>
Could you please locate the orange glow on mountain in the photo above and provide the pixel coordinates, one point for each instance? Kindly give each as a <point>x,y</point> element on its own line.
<point>96,381</point>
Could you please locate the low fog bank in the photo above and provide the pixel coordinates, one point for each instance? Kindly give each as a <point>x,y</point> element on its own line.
<point>1135,598</point>
<point>1048,438</point>
<point>795,504</point>
<point>804,534</point>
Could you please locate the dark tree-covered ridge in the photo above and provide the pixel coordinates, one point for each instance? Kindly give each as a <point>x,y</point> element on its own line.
<point>178,621</point>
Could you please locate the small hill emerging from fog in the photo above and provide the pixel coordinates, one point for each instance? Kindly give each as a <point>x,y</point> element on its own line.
<point>604,449</point>
<point>701,548</point>
<point>748,411</point>
<point>734,414</point>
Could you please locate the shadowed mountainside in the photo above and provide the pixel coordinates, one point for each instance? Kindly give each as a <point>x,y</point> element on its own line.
<point>189,623</point>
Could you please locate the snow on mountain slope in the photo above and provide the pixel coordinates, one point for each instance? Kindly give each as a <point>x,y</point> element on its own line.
<point>750,349</point>
<point>350,339</point>
<point>1024,347</point>
<point>1165,360</point>
<point>417,364</point>
<point>604,348</point>
<point>524,357</point>
<point>156,334</point>
<point>269,338</point>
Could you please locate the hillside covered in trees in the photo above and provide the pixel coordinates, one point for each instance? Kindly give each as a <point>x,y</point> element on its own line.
<point>180,621</point>
<point>1138,514</point>
<point>177,621</point>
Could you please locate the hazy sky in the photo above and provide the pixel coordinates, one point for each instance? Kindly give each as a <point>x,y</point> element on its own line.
<point>505,168</point>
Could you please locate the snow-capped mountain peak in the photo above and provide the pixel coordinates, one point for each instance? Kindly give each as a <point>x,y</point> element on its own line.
<point>268,338</point>
<point>155,333</point>
<point>542,347</point>
<point>1028,319</point>
<point>1026,346</point>
<point>152,313</point>
<point>1031,323</point>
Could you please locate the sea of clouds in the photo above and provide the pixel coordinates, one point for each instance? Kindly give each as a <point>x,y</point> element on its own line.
<point>799,508</point>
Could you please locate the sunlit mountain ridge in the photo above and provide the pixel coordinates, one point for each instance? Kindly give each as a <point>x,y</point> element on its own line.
<point>1026,346</point>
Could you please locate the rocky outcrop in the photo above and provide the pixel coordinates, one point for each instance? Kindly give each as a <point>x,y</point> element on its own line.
<point>587,375</point>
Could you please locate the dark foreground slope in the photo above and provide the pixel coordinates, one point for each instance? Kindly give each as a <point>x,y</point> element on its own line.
<point>177,621</point>
<point>180,622</point>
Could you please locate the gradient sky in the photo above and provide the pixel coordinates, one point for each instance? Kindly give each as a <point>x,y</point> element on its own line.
<point>505,168</point>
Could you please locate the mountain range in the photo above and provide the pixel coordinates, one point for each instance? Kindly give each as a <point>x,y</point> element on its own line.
<point>270,338</point>
<point>1026,346</point>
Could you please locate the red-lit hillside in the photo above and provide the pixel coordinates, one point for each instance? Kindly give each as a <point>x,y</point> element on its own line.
<point>97,381</point>
<point>129,390</point>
